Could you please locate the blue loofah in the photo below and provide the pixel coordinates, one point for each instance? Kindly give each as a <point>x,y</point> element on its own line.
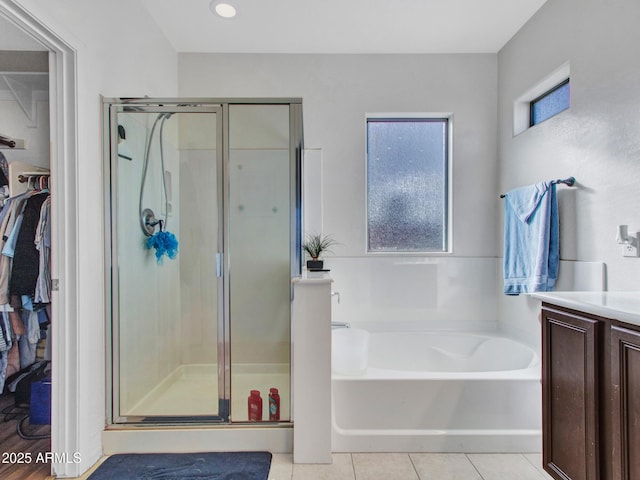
<point>165,243</point>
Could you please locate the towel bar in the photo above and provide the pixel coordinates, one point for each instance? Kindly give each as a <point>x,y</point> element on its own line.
<point>570,182</point>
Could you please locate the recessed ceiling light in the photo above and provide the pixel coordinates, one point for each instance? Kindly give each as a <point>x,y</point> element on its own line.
<point>223,9</point>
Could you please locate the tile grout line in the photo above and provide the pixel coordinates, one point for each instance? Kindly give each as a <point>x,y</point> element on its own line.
<point>353,467</point>
<point>474,466</point>
<point>541,475</point>
<point>414,466</point>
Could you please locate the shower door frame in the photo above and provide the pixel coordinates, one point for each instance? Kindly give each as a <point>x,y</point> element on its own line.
<point>111,107</point>
<point>150,106</point>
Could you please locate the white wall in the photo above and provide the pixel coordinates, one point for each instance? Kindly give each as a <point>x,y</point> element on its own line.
<point>597,140</point>
<point>13,38</point>
<point>15,123</point>
<point>120,52</point>
<point>337,92</point>
<point>24,96</point>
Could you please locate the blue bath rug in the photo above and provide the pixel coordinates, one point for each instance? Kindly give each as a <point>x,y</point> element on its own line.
<point>185,466</point>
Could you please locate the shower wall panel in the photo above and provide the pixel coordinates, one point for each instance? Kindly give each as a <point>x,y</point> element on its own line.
<point>259,249</point>
<point>199,219</point>
<point>149,309</point>
<point>259,233</point>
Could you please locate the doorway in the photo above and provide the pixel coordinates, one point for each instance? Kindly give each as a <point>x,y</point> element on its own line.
<point>62,155</point>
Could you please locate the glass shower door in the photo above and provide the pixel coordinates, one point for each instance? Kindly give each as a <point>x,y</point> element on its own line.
<point>166,308</point>
<point>259,249</point>
<point>194,332</point>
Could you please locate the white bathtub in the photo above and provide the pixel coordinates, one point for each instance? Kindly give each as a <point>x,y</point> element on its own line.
<point>434,392</point>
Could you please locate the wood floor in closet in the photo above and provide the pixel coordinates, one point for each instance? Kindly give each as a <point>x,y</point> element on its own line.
<point>12,443</point>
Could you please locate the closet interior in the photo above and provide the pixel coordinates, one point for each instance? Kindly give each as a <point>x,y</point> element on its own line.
<point>25,254</point>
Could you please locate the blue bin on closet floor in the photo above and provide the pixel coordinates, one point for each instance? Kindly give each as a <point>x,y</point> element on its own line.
<point>40,405</point>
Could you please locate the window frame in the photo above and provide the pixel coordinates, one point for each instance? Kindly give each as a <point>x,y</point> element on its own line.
<point>549,92</point>
<point>522,104</point>
<point>448,195</point>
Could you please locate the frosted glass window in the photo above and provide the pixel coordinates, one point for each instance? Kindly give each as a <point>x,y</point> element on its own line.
<point>407,184</point>
<point>550,103</point>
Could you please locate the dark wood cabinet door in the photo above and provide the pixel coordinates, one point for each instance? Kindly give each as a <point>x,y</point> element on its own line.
<point>625,398</point>
<point>570,386</point>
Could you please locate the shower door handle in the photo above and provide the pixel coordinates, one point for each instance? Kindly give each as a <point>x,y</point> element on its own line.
<point>219,264</point>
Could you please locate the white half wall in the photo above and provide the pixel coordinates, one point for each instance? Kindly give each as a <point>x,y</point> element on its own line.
<point>416,292</point>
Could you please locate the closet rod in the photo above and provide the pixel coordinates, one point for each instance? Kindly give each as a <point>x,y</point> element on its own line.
<point>25,177</point>
<point>8,141</point>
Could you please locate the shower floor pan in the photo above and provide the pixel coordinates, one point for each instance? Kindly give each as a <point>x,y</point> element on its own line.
<point>189,390</point>
<point>192,390</point>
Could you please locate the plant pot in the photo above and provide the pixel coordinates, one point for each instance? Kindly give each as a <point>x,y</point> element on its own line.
<point>315,264</point>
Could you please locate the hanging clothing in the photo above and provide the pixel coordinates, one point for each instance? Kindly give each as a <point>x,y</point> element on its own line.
<point>13,360</point>
<point>3,340</point>
<point>25,277</point>
<point>4,170</point>
<point>9,215</point>
<point>4,182</point>
<point>17,325</point>
<point>43,245</point>
<point>28,343</point>
<point>26,259</point>
<point>26,351</point>
<point>5,345</point>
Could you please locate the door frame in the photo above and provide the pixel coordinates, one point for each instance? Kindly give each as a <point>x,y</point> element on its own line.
<point>65,420</point>
<point>111,107</point>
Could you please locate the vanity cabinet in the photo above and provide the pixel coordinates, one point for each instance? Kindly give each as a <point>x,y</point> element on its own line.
<point>625,402</point>
<point>571,381</point>
<point>591,396</point>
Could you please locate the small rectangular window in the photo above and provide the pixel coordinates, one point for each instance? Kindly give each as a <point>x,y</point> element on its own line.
<point>550,103</point>
<point>407,184</point>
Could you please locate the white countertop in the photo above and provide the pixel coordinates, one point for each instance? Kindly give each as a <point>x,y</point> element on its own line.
<point>623,306</point>
<point>312,277</point>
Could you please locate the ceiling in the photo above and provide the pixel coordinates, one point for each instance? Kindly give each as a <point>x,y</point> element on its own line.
<point>343,26</point>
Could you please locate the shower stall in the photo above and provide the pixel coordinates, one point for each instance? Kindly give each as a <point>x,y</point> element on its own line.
<point>203,236</point>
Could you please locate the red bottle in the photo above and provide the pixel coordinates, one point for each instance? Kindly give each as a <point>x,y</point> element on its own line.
<point>255,406</point>
<point>274,404</point>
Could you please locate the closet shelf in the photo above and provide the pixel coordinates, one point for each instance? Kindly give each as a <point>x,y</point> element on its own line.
<point>26,88</point>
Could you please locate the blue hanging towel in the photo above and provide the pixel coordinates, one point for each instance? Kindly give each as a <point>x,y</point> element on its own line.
<point>165,243</point>
<point>531,239</point>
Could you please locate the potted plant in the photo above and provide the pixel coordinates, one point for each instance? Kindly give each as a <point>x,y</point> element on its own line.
<point>315,244</point>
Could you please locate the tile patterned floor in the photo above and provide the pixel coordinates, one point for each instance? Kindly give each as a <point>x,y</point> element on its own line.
<point>414,466</point>
<point>408,466</point>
